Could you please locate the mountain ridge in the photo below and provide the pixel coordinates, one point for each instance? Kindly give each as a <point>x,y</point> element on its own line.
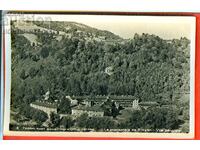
<point>64,28</point>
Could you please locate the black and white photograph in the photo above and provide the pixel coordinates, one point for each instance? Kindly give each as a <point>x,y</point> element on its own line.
<point>110,74</point>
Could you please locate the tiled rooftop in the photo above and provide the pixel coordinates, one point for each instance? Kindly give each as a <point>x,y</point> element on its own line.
<point>45,104</point>
<point>93,108</point>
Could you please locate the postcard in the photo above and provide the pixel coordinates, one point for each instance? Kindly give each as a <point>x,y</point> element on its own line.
<point>87,75</point>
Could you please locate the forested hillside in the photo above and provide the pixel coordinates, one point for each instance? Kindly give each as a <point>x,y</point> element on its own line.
<point>69,58</point>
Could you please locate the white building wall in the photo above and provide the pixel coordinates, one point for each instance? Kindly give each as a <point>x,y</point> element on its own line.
<point>90,113</point>
<point>45,109</point>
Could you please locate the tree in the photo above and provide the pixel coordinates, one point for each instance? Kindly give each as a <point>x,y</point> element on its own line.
<point>136,121</point>
<point>35,58</point>
<point>32,113</point>
<point>54,119</point>
<point>67,122</point>
<point>114,110</point>
<point>154,119</point>
<point>82,120</point>
<point>26,110</point>
<point>32,72</point>
<point>98,123</point>
<point>92,122</point>
<point>161,118</point>
<point>172,121</point>
<point>106,123</point>
<point>65,106</point>
<point>23,74</point>
<point>44,52</point>
<point>39,116</point>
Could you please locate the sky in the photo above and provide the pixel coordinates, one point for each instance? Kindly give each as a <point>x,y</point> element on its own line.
<point>167,27</point>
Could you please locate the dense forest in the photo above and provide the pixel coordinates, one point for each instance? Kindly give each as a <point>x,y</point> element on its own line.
<point>68,58</point>
<point>146,66</point>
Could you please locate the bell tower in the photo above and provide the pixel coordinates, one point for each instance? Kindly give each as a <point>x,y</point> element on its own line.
<point>135,104</point>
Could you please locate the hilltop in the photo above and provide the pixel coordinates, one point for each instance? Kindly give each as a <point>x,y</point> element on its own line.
<point>68,29</point>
